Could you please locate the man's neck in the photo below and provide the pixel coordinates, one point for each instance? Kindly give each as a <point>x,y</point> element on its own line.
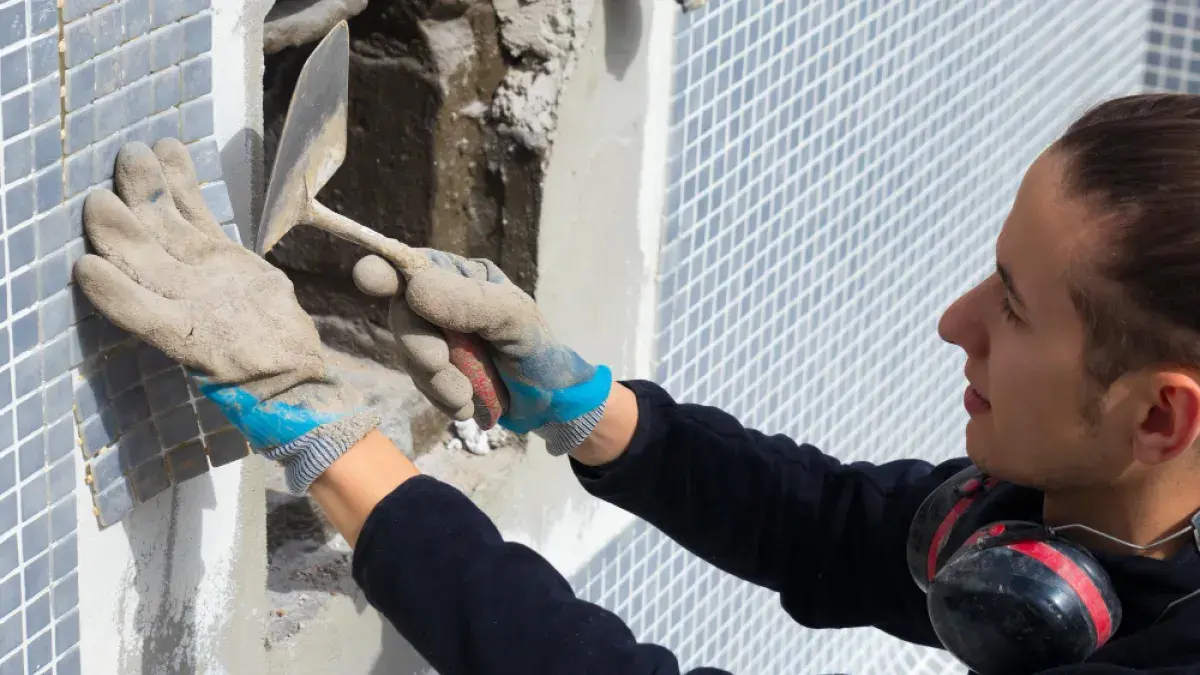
<point>1137,514</point>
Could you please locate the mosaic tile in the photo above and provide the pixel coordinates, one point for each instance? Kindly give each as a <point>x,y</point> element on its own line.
<point>836,174</point>
<point>136,70</point>
<point>70,381</point>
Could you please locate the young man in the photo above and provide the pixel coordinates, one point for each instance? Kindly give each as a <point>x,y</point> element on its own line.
<point>1083,387</point>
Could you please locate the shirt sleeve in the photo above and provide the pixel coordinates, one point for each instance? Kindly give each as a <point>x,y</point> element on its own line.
<point>470,603</point>
<point>828,536</point>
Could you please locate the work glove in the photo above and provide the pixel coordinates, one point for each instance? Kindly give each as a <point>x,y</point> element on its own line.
<point>166,272</point>
<point>552,391</point>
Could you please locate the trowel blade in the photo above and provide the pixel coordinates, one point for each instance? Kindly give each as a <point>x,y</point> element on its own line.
<point>313,143</point>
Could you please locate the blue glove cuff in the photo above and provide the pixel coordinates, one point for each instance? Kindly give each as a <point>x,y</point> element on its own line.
<point>268,424</point>
<point>562,406</point>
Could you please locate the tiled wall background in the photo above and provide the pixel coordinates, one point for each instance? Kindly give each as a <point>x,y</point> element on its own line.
<point>76,82</point>
<point>137,70</point>
<point>1173,46</point>
<point>838,171</point>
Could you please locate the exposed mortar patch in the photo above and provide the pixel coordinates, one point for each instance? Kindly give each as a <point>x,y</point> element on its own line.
<point>542,38</point>
<point>452,113</point>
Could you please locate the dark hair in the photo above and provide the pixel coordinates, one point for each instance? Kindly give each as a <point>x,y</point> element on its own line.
<point>1136,160</point>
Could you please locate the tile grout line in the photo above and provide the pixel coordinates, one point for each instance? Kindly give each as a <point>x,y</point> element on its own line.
<point>62,93</point>
<point>23,518</point>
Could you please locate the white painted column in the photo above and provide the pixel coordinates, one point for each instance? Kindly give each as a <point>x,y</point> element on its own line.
<point>598,255</point>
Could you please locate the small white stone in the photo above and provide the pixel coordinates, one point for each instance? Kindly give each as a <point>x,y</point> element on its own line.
<point>473,438</point>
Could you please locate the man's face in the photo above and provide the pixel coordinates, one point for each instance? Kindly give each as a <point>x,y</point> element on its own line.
<point>1027,387</point>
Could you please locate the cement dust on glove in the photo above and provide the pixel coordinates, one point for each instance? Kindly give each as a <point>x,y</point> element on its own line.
<point>164,271</point>
<point>552,390</point>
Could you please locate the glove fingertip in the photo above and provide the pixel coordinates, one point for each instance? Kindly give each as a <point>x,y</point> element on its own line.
<point>376,277</point>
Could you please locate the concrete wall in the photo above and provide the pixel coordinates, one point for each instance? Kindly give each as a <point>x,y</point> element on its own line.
<point>453,108</point>
<point>598,254</point>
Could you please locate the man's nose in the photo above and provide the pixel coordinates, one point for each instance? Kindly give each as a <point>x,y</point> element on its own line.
<point>962,324</point>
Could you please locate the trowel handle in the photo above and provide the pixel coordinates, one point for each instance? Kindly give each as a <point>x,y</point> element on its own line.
<point>405,259</point>
<point>468,353</point>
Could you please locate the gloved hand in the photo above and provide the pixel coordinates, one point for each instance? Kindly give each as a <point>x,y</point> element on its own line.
<point>166,273</point>
<point>552,391</point>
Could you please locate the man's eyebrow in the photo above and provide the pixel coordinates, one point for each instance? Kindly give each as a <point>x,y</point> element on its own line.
<point>1006,279</point>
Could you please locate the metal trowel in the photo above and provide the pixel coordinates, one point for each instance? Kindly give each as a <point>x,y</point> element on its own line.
<point>311,149</point>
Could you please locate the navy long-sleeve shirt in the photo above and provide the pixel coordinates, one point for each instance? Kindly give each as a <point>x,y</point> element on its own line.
<point>827,536</point>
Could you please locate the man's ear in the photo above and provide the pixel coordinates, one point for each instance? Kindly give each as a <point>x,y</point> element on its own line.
<point>1170,421</point>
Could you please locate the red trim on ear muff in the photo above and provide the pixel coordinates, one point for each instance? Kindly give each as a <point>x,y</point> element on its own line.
<point>939,535</point>
<point>970,490</point>
<point>1079,581</point>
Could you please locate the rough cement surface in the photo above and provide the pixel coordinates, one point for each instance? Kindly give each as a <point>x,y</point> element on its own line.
<point>451,45</point>
<point>307,563</point>
<point>317,619</point>
<point>241,626</point>
<point>178,587</point>
<point>543,37</point>
<point>402,409</point>
<point>362,335</point>
<point>452,112</point>
<point>292,23</point>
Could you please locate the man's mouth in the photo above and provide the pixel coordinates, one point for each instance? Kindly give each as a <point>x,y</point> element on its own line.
<point>975,403</point>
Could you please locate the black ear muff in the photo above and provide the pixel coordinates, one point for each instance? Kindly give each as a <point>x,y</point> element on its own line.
<point>1006,597</point>
<point>1017,598</point>
<point>945,519</point>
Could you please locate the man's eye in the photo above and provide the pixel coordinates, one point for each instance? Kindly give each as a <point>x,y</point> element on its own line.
<point>1007,308</point>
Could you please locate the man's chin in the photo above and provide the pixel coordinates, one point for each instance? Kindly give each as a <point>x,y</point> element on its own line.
<point>979,459</point>
<point>976,447</point>
<point>984,459</point>
<point>982,455</point>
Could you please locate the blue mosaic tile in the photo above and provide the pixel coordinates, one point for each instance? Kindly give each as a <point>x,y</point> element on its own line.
<point>136,70</point>
<point>836,173</point>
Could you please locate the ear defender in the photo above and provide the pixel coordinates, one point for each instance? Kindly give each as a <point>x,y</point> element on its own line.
<point>1006,596</point>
